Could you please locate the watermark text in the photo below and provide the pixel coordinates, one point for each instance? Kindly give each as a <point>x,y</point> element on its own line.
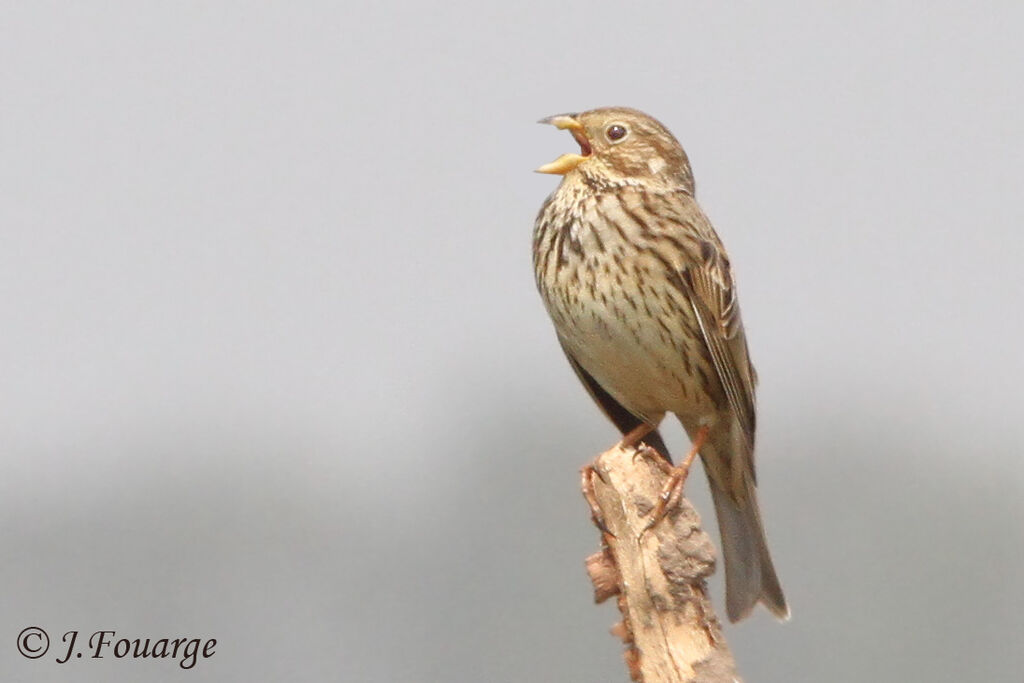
<point>34,643</point>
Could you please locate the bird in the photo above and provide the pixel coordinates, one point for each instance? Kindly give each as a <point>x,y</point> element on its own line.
<point>644,304</point>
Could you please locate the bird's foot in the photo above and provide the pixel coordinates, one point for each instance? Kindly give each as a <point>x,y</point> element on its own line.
<point>587,475</point>
<point>634,436</point>
<point>642,450</point>
<point>672,491</point>
<point>634,440</point>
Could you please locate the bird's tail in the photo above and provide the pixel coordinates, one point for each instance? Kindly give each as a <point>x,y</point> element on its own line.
<point>749,574</point>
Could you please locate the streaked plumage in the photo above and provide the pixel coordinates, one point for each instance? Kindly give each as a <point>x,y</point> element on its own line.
<point>641,293</point>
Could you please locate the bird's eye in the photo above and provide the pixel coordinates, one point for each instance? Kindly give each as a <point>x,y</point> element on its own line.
<point>616,132</point>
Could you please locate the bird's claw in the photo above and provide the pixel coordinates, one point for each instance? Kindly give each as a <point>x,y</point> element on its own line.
<point>644,451</point>
<point>669,497</point>
<point>587,475</point>
<point>672,491</point>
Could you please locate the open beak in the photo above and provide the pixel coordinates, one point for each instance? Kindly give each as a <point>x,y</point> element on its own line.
<point>567,162</point>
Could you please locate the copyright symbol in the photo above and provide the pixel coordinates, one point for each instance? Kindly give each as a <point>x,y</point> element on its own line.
<point>33,642</point>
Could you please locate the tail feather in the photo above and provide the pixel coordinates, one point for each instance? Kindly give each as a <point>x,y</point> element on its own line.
<point>749,573</point>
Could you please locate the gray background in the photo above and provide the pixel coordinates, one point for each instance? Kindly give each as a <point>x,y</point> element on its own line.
<point>274,371</point>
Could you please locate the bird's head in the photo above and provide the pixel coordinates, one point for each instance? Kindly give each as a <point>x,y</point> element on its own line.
<point>620,146</point>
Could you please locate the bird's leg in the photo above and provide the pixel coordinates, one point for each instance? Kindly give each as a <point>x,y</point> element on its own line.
<point>636,435</point>
<point>587,475</point>
<point>631,439</point>
<point>673,489</point>
<point>634,439</point>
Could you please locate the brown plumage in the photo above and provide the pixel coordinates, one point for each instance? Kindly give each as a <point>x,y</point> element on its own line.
<point>641,293</point>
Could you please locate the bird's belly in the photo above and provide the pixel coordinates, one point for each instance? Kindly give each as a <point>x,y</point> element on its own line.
<point>634,345</point>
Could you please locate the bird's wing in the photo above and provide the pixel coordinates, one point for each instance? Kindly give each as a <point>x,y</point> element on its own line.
<point>706,280</point>
<point>613,410</point>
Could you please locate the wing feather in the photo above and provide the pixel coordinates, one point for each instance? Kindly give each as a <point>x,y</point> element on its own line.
<point>705,277</point>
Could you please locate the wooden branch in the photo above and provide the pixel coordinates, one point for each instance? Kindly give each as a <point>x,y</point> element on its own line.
<point>670,629</point>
